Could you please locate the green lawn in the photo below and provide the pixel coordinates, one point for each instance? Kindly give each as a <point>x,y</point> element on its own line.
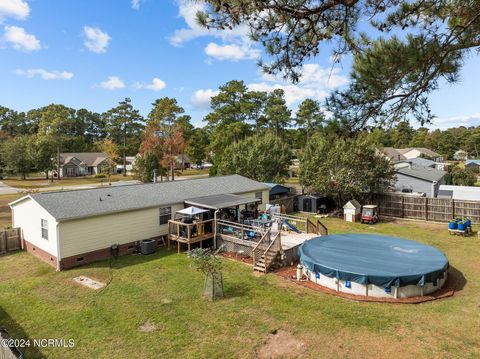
<point>163,289</point>
<point>41,182</point>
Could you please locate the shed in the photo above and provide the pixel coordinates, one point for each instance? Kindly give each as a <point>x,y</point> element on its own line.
<point>313,203</point>
<point>277,190</point>
<point>352,211</point>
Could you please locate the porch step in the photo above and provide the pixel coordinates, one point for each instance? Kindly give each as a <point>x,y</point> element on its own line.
<point>259,269</point>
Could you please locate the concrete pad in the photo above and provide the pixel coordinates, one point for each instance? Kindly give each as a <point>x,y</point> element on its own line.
<point>89,283</point>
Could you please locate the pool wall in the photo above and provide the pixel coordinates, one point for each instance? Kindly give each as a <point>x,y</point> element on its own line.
<point>372,290</point>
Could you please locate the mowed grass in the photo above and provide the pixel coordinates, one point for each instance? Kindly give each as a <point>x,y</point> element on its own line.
<point>164,289</point>
<point>41,182</point>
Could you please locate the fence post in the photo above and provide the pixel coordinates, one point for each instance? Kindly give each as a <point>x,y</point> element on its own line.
<point>5,239</point>
<point>403,207</point>
<point>426,208</point>
<point>453,208</point>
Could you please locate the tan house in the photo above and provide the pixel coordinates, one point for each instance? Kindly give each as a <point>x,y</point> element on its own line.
<point>70,228</point>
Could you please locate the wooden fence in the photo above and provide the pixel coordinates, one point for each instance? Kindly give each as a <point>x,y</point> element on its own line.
<point>10,240</point>
<point>428,209</point>
<point>288,202</point>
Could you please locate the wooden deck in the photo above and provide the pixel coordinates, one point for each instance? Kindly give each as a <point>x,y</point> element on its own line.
<point>189,233</point>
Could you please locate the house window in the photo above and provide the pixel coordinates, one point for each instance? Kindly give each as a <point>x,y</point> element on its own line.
<point>258,195</point>
<point>165,215</point>
<point>44,224</point>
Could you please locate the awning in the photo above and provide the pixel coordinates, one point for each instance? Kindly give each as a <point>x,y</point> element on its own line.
<point>192,211</point>
<point>220,201</point>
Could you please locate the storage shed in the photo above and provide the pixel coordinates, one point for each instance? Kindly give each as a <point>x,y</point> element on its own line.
<point>352,211</point>
<point>313,203</point>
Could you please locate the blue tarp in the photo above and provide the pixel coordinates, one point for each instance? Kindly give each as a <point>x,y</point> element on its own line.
<point>373,259</point>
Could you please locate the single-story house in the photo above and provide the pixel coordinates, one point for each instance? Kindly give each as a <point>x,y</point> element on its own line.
<point>70,228</point>
<point>464,193</point>
<point>472,164</point>
<point>414,152</point>
<point>130,162</point>
<point>277,190</point>
<point>82,163</point>
<point>393,154</point>
<point>413,178</point>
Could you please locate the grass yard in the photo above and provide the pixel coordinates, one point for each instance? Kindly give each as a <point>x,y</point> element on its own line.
<point>164,291</point>
<point>192,172</point>
<point>40,182</point>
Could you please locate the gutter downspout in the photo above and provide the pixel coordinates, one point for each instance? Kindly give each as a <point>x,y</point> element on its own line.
<point>215,229</point>
<point>58,248</point>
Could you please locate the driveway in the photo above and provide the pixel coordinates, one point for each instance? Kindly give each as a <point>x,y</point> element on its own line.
<point>4,189</point>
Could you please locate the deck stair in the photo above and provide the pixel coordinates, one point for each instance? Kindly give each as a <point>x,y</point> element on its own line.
<point>266,252</point>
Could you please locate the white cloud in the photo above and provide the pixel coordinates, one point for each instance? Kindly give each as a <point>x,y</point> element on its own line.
<point>455,121</point>
<point>155,85</point>
<point>112,83</point>
<point>20,39</point>
<point>316,82</point>
<point>17,9</point>
<point>188,11</point>
<point>136,4</point>
<point>201,98</point>
<point>96,40</point>
<point>44,74</point>
<point>231,52</point>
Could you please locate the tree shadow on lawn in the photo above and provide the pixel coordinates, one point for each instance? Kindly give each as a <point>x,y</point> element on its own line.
<point>458,279</point>
<point>130,259</point>
<point>17,332</point>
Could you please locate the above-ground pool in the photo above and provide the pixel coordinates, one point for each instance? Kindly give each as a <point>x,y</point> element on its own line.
<point>374,265</point>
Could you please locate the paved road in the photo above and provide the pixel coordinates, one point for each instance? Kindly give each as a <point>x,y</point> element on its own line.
<point>4,189</point>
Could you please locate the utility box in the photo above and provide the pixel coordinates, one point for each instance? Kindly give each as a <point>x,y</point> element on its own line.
<point>352,211</point>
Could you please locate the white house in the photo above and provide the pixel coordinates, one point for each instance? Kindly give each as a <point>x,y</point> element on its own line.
<point>70,228</point>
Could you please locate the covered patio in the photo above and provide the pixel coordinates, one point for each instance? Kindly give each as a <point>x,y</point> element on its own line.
<point>201,218</point>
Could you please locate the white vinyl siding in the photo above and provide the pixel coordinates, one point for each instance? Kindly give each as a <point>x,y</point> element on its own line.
<point>90,234</point>
<point>27,215</point>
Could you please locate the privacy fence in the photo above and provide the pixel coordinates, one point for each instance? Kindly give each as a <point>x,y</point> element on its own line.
<point>428,209</point>
<point>10,240</point>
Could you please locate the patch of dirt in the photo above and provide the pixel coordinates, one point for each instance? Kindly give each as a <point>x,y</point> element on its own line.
<point>281,344</point>
<point>147,327</point>
<point>166,301</point>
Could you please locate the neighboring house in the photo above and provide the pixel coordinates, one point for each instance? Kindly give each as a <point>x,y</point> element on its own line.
<point>182,162</point>
<point>419,161</point>
<point>130,162</point>
<point>277,191</point>
<point>419,179</point>
<point>70,228</point>
<point>460,155</point>
<point>472,164</point>
<point>393,154</point>
<point>82,163</point>
<point>415,152</point>
<point>464,193</point>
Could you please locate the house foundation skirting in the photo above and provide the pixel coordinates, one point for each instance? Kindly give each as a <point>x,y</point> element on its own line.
<point>40,253</point>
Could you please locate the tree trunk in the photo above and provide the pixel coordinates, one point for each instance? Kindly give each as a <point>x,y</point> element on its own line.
<point>58,162</point>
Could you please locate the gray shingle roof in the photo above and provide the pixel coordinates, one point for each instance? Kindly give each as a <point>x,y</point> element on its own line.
<point>425,173</point>
<point>92,202</point>
<point>89,158</point>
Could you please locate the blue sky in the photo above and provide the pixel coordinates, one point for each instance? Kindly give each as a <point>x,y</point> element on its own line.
<point>93,53</point>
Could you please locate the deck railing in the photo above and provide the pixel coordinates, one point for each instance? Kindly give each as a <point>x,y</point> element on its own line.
<point>239,231</point>
<point>187,232</point>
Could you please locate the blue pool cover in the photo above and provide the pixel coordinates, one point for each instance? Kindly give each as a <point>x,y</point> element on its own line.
<point>373,259</point>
